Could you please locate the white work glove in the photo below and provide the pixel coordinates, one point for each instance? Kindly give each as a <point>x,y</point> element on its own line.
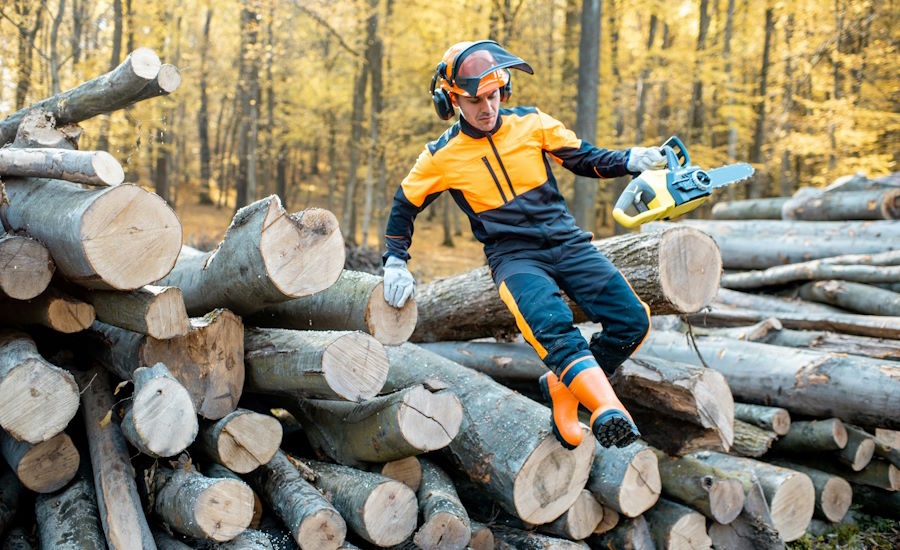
<point>645,158</point>
<point>398,282</point>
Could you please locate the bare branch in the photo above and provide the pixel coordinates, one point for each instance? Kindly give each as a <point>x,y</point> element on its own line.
<point>321,20</point>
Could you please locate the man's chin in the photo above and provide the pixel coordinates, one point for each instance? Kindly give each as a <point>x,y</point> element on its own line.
<point>486,125</point>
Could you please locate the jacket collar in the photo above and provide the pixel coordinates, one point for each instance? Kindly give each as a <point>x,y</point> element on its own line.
<point>474,132</point>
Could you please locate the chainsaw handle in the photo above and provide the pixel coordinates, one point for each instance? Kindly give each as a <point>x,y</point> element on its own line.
<point>676,153</point>
<point>639,194</point>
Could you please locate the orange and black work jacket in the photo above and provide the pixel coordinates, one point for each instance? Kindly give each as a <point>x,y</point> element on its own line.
<point>502,180</point>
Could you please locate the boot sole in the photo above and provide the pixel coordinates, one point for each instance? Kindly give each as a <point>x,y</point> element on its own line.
<point>545,391</point>
<point>613,428</point>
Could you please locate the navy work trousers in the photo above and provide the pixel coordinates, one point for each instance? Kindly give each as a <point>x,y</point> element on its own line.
<point>530,283</point>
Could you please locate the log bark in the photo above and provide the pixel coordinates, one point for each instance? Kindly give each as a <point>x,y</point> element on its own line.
<point>578,522</point>
<point>750,440</point>
<point>701,486</point>
<point>877,473</point>
<point>482,537</point>
<point>859,182</point>
<point>165,541</point>
<point>44,467</point>
<point>766,243</point>
<point>330,365</point>
<point>242,440</point>
<point>753,529</point>
<point>857,297</point>
<point>523,467</point>
<point>677,527</point>
<point>878,204</point>
<point>249,539</point>
<point>160,419</point>
<point>201,507</point>
<point>887,452</point>
<point>88,167</point>
<point>506,362</point>
<point>762,302</point>
<point>37,399</point>
<point>445,523</point>
<point>673,436</point>
<point>877,501</point>
<point>167,80</point>
<point>404,423</point>
<point>751,209</point>
<point>380,510</point>
<point>509,538</point>
<point>861,325</point>
<point>864,268</point>
<point>630,534</point>
<point>676,271</point>
<point>890,437</point>
<point>38,130</point>
<point>313,522</point>
<point>68,520</point>
<point>833,494</point>
<point>52,309</point>
<point>156,311</point>
<point>406,470</point>
<point>104,94</point>
<point>820,340</point>
<point>119,238</point>
<point>860,390</point>
<point>790,495</point>
<point>10,493</point>
<point>213,469</point>
<point>25,266</point>
<point>625,479</point>
<point>859,449</point>
<point>814,435</point>
<point>267,256</point>
<point>775,419</point>
<point>354,302</point>
<point>209,361</point>
<point>120,508</point>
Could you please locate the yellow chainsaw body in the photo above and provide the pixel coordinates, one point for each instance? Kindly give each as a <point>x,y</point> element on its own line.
<point>660,207</point>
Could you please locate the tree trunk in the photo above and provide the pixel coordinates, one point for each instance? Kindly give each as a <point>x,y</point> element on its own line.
<point>677,527</point>
<point>701,486</point>
<point>206,181</point>
<point>88,167</point>
<point>861,298</point>
<point>37,399</point>
<point>398,425</point>
<point>248,86</point>
<point>27,266</point>
<point>241,441</point>
<point>630,534</point>
<point>380,510</point>
<point>674,271</point>
<point>445,523</point>
<point>696,116</point>
<point>110,92</point>
<point>159,420</point>
<point>759,134</point>
<point>208,361</point>
<point>860,390</point>
<point>525,470</point>
<point>750,440</point>
<point>775,419</point>
<point>330,365</point>
<point>267,256</point>
<point>68,520</point>
<point>156,311</point>
<point>878,204</point>
<point>313,522</point>
<point>117,499</point>
<point>585,128</point>
<point>813,436</point>
<point>348,212</point>
<point>625,479</point>
<point>118,237</point>
<point>750,209</point>
<point>354,302</point>
<point>43,467</point>
<point>833,493</point>
<point>52,309</point>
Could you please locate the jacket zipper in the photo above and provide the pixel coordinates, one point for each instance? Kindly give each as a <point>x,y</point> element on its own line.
<point>496,181</point>
<point>503,168</point>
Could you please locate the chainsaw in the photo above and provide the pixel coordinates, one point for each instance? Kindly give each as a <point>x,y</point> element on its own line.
<point>673,191</point>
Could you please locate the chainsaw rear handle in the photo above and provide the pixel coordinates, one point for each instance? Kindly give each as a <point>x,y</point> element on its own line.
<point>676,153</point>
<point>639,194</point>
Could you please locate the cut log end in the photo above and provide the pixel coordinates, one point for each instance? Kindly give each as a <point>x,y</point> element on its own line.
<point>323,529</point>
<point>68,315</point>
<point>442,531</point>
<point>304,252</point>
<point>482,538</point>
<point>389,325</point>
<point>145,63</point>
<point>49,466</point>
<point>862,454</point>
<point>355,366</point>
<point>169,78</point>
<point>39,399</point>
<point>167,317</point>
<point>726,499</point>
<point>430,421</point>
<point>584,516</point>
<point>836,497</point>
<point>689,533</point>
<point>406,470</point>
<point>609,521</point>
<point>107,168</point>
<point>164,416</point>
<point>781,422</point>
<point>224,509</point>
<point>248,441</point>
<point>641,485</point>
<point>551,479</point>
<point>131,238</point>
<point>690,267</point>
<point>390,513</point>
<point>893,478</point>
<point>839,431</point>
<point>27,267</point>
<point>792,506</point>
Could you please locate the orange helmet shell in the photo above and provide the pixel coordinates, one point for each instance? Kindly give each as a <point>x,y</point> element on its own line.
<point>473,65</point>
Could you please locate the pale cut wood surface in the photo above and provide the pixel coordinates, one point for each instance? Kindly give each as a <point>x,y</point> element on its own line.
<point>38,129</point>
<point>677,527</point>
<point>579,521</point>
<point>52,309</point>
<point>242,440</point>
<point>407,470</point>
<point>160,419</point>
<point>625,479</point>
<point>156,311</point>
<point>43,467</point>
<point>833,493</point>
<point>25,266</point>
<point>770,418</point>
<point>702,487</point>
<point>213,469</point>
<point>482,537</point>
<point>88,167</point>
<point>610,520</point>
<point>445,522</point>
<point>814,435</point>
<point>859,450</point>
<point>632,533</point>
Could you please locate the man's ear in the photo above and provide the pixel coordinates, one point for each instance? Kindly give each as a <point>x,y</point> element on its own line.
<point>453,99</point>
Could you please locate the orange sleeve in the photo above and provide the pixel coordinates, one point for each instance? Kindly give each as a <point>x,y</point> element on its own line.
<point>555,135</point>
<point>423,180</point>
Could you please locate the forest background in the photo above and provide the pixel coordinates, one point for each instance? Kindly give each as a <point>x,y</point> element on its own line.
<point>325,102</point>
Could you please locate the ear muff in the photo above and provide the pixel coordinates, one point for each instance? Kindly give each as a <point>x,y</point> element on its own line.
<point>506,89</point>
<point>443,106</point>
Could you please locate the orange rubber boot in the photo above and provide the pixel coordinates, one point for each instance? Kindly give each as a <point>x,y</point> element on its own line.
<point>563,411</point>
<point>610,422</point>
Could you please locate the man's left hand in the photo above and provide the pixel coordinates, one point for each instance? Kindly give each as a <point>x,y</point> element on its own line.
<point>645,158</point>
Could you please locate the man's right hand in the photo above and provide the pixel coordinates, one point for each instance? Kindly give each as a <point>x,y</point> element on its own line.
<point>398,282</point>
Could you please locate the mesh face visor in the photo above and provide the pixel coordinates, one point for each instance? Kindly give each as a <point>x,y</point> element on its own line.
<point>491,57</point>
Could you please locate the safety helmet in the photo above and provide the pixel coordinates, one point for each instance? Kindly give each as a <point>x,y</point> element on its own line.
<point>471,69</point>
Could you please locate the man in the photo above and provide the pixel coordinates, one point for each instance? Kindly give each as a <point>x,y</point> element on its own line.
<point>496,165</point>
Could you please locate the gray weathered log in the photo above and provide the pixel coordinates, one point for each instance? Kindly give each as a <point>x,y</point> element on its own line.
<point>672,435</point>
<point>167,80</point>
<point>676,271</point>
<point>242,440</point>
<point>876,348</point>
<point>877,501</point>
<point>775,419</point>
<point>509,538</point>
<point>878,473</point>
<point>329,365</point>
<point>121,513</point>
<point>860,182</point>
<point>631,534</point>
<point>119,238</point>
<point>445,523</point>
<point>859,450</point>
<point>610,520</point>
<point>813,435</point>
<point>43,467</point>
<point>886,451</point>
<point>858,297</point>
<point>109,92</point>
<point>156,311</point>
<point>68,520</point>
<point>88,167</point>
<point>864,268</point>
<point>625,479</point>
<point>166,541</point>
<point>249,539</point>
<point>750,440</point>
<point>267,256</point>
<point>877,204</point>
<point>214,469</point>
<point>579,521</point>
<point>52,309</point>
<point>10,493</point>
<point>38,129</point>
<point>312,520</point>
<point>701,486</point>
<point>18,539</point>
<point>505,362</point>
<point>753,529</point>
<point>482,537</point>
<point>26,266</point>
<point>763,302</point>
<point>858,389</point>
<point>833,494</point>
<point>677,527</point>
<point>751,209</point>
<point>354,302</point>
<point>37,399</point>
<point>160,419</point>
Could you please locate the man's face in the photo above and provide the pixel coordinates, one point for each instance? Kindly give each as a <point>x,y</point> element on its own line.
<point>481,112</point>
